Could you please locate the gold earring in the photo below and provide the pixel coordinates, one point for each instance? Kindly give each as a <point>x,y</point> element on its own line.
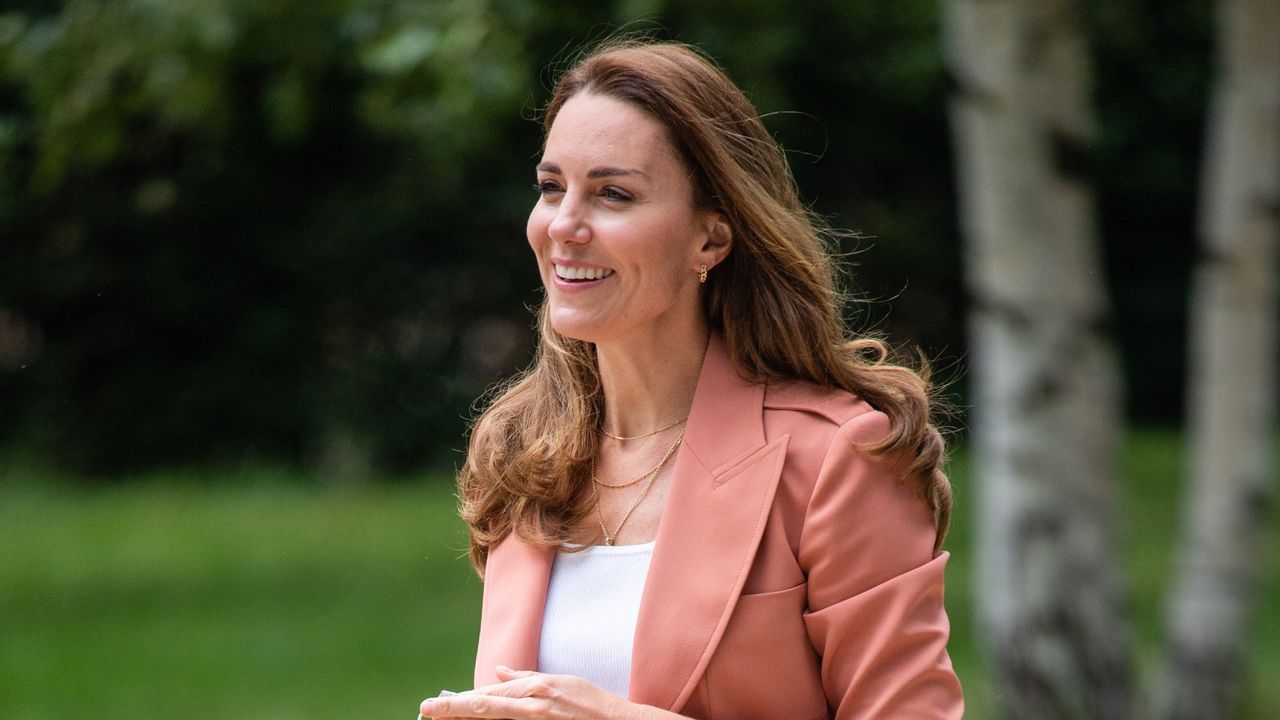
<point>702,275</point>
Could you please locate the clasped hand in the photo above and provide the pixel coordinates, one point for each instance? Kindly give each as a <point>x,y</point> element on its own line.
<point>528,695</point>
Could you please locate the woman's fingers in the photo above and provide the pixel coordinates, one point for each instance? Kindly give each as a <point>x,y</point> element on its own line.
<point>479,706</point>
<point>442,717</point>
<point>507,673</point>
<point>523,695</point>
<point>518,696</point>
<point>504,686</point>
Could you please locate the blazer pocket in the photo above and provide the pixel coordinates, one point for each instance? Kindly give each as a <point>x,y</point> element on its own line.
<point>764,665</point>
<point>756,596</point>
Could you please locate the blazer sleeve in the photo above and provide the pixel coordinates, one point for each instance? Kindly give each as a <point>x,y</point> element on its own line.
<point>875,614</point>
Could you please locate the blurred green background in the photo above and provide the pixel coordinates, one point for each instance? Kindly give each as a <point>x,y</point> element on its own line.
<point>259,259</point>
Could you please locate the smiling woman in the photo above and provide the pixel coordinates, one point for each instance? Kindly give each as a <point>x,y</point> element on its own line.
<point>706,498</point>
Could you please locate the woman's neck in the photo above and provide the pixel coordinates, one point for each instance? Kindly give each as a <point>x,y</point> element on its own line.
<point>650,384</point>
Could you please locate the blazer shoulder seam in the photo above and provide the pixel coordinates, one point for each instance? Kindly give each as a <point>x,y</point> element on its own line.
<point>836,406</point>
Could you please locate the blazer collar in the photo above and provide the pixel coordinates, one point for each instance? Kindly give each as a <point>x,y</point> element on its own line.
<point>725,422</point>
<point>714,516</point>
<point>712,521</point>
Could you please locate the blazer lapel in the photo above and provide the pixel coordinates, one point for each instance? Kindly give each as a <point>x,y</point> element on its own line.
<point>511,627</point>
<point>714,516</point>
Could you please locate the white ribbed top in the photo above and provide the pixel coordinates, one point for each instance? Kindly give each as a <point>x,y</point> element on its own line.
<point>590,619</point>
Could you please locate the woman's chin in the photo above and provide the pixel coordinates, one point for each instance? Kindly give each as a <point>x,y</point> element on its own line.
<point>573,325</point>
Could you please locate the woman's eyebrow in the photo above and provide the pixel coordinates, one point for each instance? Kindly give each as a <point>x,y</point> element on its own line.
<point>605,172</point>
<point>595,173</point>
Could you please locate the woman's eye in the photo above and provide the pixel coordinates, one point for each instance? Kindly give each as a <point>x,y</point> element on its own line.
<point>611,193</point>
<point>545,187</point>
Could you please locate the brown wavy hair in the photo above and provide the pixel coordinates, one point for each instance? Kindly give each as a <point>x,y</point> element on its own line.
<point>775,300</point>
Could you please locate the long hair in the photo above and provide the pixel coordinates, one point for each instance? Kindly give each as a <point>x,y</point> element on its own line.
<point>775,299</point>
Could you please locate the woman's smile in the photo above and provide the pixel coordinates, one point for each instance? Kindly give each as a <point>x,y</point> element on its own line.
<point>572,277</point>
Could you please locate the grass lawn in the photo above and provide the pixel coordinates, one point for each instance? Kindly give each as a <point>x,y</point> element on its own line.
<point>170,600</point>
<point>263,598</point>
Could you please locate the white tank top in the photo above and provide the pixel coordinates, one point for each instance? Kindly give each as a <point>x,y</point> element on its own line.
<point>589,623</point>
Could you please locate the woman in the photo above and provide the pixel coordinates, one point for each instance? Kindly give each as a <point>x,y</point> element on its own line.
<point>703,500</point>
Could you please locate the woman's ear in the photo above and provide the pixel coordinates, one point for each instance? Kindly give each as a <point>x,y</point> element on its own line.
<point>718,240</point>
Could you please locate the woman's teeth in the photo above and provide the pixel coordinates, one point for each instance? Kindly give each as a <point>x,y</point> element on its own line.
<point>581,273</point>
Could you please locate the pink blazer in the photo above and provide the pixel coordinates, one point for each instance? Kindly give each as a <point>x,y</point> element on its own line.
<point>793,576</point>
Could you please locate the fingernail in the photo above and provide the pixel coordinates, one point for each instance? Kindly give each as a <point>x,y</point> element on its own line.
<point>428,708</point>
<point>505,669</point>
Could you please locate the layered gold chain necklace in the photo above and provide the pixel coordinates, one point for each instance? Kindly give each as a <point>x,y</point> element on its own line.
<point>648,477</point>
<point>645,435</point>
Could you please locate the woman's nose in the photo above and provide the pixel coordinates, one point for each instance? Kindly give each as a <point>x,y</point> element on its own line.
<point>569,225</point>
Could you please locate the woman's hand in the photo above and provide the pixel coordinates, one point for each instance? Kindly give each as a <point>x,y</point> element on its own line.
<point>528,695</point>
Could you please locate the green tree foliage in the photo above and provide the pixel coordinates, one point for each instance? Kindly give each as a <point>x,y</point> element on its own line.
<point>293,230</point>
<point>248,226</point>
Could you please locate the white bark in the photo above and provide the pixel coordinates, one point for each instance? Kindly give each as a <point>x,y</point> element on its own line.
<point>1232,383</point>
<point>1047,390</point>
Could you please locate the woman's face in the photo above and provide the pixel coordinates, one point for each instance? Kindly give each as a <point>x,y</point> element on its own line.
<point>615,231</point>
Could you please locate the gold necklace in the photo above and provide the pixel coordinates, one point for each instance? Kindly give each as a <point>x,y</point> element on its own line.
<point>641,437</point>
<point>597,481</point>
<point>652,475</point>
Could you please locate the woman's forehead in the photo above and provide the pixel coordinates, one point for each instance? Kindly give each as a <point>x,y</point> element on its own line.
<point>600,130</point>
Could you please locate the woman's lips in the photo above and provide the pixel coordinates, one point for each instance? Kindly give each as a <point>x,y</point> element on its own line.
<point>579,273</point>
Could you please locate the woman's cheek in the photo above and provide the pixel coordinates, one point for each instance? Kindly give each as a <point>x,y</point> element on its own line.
<point>536,230</point>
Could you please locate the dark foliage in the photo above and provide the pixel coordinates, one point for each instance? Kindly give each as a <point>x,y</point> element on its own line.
<point>290,230</point>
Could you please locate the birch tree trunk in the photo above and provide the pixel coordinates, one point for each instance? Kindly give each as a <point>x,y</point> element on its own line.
<point>1047,390</point>
<point>1232,383</point>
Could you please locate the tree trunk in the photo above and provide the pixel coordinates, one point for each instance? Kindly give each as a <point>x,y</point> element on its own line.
<point>1047,389</point>
<point>1232,383</point>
